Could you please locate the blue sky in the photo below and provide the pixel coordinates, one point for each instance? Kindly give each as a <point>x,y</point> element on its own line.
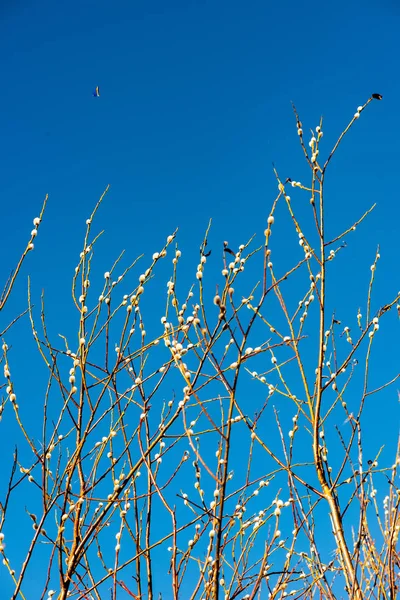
<point>195,107</point>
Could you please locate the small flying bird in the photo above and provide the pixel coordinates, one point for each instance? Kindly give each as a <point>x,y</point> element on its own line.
<point>96,92</point>
<point>377,96</point>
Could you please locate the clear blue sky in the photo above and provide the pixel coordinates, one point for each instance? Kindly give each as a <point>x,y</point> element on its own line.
<point>194,108</point>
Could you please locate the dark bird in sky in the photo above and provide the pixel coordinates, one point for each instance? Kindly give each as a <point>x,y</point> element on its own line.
<point>96,92</point>
<point>377,96</point>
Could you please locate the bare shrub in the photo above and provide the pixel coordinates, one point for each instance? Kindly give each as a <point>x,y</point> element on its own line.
<point>210,446</point>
